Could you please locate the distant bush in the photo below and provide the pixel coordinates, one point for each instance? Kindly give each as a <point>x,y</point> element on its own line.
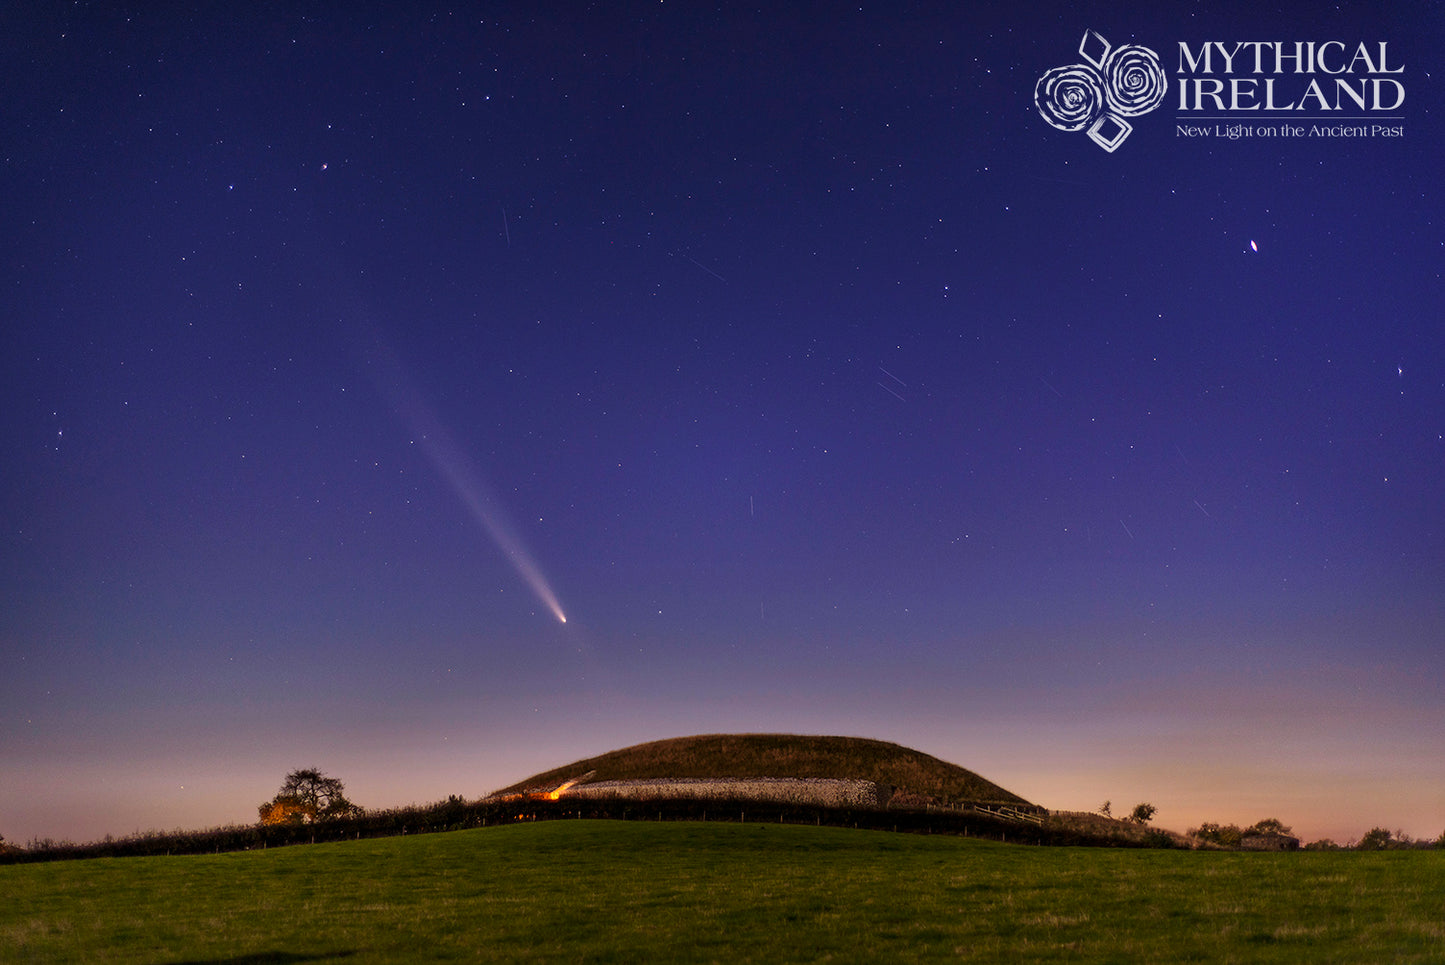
<point>1093,829</point>
<point>1154,838</point>
<point>1382,839</point>
<point>1233,836</point>
<point>1224,835</point>
<point>455,814</point>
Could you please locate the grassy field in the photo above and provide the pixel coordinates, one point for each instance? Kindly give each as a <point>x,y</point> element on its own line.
<point>611,891</point>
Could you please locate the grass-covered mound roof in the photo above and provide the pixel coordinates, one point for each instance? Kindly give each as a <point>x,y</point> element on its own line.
<point>781,755</point>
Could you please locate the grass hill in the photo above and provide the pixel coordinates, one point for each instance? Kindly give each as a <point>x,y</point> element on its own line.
<point>915,774</point>
<point>694,892</point>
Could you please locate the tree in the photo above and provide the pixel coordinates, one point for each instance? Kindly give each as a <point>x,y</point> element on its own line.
<point>307,795</point>
<point>1104,810</point>
<point>1268,826</point>
<point>1376,839</point>
<point>1142,813</point>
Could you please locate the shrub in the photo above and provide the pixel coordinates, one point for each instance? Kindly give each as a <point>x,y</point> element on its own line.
<point>1224,835</point>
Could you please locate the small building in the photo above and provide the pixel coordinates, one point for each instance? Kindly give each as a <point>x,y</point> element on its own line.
<point>1269,841</point>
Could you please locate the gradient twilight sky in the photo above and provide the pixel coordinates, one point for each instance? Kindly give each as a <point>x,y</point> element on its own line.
<point>822,384</point>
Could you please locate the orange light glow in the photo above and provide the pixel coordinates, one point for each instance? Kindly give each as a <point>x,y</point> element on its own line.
<point>561,788</point>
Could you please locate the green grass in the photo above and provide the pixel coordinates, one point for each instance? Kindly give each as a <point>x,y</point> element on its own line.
<point>593,891</point>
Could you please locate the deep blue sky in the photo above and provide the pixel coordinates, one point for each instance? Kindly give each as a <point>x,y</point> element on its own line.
<point>822,385</point>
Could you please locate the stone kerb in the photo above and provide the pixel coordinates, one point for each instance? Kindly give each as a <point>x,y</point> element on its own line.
<point>821,791</point>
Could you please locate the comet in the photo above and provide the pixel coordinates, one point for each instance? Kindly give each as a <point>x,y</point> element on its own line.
<point>488,512</point>
<point>451,462</point>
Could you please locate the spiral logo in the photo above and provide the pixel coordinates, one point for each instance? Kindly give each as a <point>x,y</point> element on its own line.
<point>1117,82</point>
<point>1133,80</point>
<point>1070,98</point>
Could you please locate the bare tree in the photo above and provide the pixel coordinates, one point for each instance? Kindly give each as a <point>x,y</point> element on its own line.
<point>307,795</point>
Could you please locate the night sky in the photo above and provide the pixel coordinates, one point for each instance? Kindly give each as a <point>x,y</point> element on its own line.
<point>439,395</point>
